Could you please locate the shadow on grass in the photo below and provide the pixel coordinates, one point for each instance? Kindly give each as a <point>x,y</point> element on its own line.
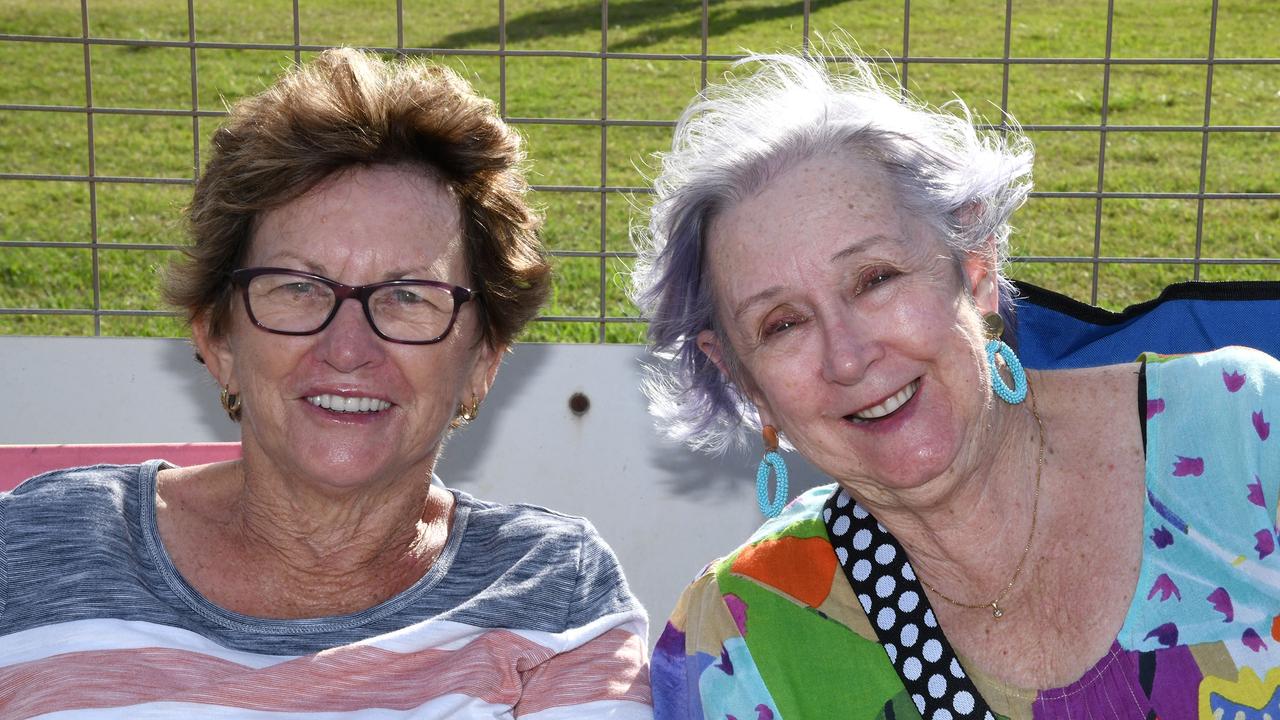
<point>650,22</point>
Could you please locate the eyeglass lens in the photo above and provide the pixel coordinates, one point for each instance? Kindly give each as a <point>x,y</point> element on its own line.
<point>410,312</point>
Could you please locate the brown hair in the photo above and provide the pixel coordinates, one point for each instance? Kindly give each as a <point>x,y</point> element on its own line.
<point>349,108</point>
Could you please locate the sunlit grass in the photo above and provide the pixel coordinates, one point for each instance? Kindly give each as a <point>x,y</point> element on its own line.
<point>51,277</point>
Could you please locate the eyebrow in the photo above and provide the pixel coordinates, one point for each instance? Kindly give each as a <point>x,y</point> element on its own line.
<point>312,267</point>
<point>741,308</point>
<point>860,245</point>
<point>291,258</point>
<point>857,246</point>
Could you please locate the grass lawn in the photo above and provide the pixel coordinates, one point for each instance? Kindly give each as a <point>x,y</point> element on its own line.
<point>137,225</point>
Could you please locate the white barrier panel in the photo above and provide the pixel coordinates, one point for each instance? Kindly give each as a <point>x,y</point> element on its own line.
<point>666,510</point>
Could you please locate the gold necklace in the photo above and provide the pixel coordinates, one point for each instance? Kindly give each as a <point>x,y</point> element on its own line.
<point>996,612</point>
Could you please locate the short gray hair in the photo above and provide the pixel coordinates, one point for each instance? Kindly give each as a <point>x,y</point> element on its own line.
<point>734,138</point>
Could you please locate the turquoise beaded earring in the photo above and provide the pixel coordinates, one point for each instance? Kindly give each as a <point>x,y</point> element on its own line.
<point>772,459</point>
<point>996,346</point>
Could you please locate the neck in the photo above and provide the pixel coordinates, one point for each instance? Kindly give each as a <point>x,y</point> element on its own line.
<point>966,531</point>
<point>310,531</point>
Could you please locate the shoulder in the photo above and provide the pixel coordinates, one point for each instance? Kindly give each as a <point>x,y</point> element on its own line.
<point>1218,404</point>
<point>775,557</point>
<point>801,516</point>
<point>86,500</point>
<point>1213,476</point>
<point>1235,368</point>
<point>90,489</point>
<point>1211,413</point>
<point>65,536</point>
<point>1089,401</point>
<point>800,519</point>
<point>542,569</point>
<point>516,528</point>
<point>745,632</point>
<point>1209,417</point>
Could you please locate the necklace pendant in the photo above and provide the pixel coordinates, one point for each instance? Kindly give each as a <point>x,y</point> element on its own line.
<point>996,612</point>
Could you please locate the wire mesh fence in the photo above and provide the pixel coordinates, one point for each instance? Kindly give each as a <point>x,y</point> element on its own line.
<point>1155,125</point>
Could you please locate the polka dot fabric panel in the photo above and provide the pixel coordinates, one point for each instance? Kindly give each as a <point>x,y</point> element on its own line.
<point>892,597</point>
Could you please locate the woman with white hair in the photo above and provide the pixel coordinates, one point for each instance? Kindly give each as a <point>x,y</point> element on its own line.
<point>823,269</point>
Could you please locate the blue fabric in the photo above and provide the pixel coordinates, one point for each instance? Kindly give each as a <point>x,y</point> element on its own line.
<point>1055,331</point>
<point>1210,570</point>
<point>83,543</point>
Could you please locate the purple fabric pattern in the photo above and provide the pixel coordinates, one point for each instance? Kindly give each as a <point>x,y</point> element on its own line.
<point>1185,466</point>
<point>1154,407</point>
<point>1165,679</point>
<point>1165,587</point>
<point>669,667</point>
<point>1255,493</point>
<point>1252,640</point>
<point>1234,381</point>
<point>1166,634</point>
<point>1266,543</point>
<point>1221,601</point>
<point>738,610</point>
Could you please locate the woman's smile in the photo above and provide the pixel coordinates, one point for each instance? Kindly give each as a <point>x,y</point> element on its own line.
<point>888,406</point>
<point>362,254</point>
<point>867,364</point>
<point>344,406</point>
<point>340,404</point>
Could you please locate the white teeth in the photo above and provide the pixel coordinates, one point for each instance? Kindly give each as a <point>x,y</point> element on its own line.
<point>891,404</point>
<point>337,403</point>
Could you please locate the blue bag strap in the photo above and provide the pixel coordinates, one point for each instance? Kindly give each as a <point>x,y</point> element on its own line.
<point>1055,331</point>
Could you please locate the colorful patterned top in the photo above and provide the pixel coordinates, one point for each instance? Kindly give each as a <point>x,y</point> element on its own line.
<point>775,630</point>
<point>524,614</point>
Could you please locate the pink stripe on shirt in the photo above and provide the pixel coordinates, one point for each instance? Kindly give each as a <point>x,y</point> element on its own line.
<point>345,679</point>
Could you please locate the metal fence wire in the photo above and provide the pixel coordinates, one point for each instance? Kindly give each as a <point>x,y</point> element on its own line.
<point>1137,186</point>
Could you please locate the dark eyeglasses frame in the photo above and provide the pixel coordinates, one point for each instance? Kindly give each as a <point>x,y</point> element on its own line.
<point>342,292</point>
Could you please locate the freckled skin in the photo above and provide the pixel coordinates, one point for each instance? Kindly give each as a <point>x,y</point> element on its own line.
<point>834,299</point>
<point>856,340</point>
<point>327,513</point>
<point>360,227</point>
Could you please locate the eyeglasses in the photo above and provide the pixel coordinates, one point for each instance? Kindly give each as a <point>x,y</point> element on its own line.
<point>289,302</point>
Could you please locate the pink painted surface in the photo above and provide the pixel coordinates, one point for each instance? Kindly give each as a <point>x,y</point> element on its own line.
<point>19,462</point>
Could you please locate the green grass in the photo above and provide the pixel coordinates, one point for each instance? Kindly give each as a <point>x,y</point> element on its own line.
<point>53,276</point>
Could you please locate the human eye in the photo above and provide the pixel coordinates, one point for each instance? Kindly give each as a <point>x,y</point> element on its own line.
<point>300,287</point>
<point>406,296</point>
<point>874,277</point>
<point>410,298</point>
<point>289,286</point>
<point>778,323</point>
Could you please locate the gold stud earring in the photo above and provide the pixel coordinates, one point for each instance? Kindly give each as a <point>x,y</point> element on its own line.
<point>994,325</point>
<point>231,403</point>
<point>468,412</point>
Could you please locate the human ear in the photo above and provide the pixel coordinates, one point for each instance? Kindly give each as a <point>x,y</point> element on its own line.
<point>982,281</point>
<point>215,351</point>
<point>485,370</point>
<point>709,344</point>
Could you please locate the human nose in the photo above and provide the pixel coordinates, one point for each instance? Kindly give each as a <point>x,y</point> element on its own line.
<point>848,350</point>
<point>349,343</point>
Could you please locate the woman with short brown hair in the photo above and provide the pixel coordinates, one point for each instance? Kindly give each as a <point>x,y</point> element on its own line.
<point>328,571</point>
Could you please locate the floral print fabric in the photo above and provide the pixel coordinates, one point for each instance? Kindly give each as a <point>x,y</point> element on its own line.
<point>1210,576</point>
<point>774,630</point>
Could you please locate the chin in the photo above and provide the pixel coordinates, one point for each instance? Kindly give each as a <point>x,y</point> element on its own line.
<point>342,467</point>
<point>908,470</point>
